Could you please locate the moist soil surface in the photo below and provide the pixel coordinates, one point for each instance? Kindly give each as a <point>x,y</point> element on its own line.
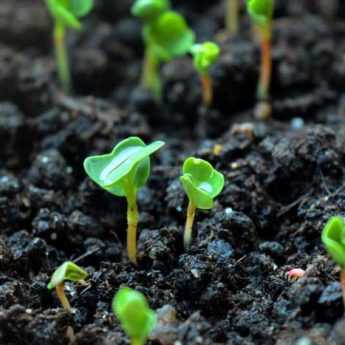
<point>284,179</point>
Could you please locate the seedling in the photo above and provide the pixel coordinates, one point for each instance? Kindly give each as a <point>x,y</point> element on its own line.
<point>232,16</point>
<point>123,172</point>
<point>135,315</point>
<point>166,36</point>
<point>261,13</point>
<point>66,14</point>
<point>67,271</point>
<point>205,55</point>
<point>202,183</point>
<point>333,237</point>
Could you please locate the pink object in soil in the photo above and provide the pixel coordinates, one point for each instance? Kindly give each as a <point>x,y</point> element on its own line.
<point>295,274</point>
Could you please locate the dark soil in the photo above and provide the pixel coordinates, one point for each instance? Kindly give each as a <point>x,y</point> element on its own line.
<point>284,178</point>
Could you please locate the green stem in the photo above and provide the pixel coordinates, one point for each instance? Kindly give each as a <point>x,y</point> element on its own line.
<point>132,221</point>
<point>187,236</point>
<point>136,341</point>
<point>151,74</point>
<point>61,57</point>
<point>231,20</point>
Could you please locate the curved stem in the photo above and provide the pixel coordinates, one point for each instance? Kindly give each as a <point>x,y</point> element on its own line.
<point>61,57</point>
<point>232,20</point>
<point>60,291</point>
<point>132,221</point>
<point>151,74</point>
<point>187,236</point>
<point>207,89</point>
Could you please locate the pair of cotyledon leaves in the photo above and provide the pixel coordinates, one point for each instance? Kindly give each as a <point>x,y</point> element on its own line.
<point>260,11</point>
<point>166,32</point>
<point>333,237</point>
<point>134,313</point>
<point>67,271</point>
<point>69,11</point>
<point>129,165</point>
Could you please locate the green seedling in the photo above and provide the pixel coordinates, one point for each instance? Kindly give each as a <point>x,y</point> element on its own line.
<point>135,315</point>
<point>67,271</point>
<point>205,55</point>
<point>202,183</point>
<point>123,172</point>
<point>232,16</point>
<point>66,14</point>
<point>166,36</point>
<point>261,13</point>
<point>333,237</point>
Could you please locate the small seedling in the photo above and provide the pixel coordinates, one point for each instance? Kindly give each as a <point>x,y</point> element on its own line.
<point>232,16</point>
<point>67,271</point>
<point>202,183</point>
<point>205,55</point>
<point>66,14</point>
<point>135,315</point>
<point>333,237</point>
<point>123,172</point>
<point>166,36</point>
<point>261,13</point>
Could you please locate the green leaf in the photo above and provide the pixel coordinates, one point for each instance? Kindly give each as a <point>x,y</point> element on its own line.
<point>201,182</point>
<point>80,8</point>
<point>333,237</point>
<point>261,11</point>
<point>131,308</point>
<point>205,55</point>
<point>68,11</point>
<point>129,161</point>
<point>169,36</point>
<point>67,271</point>
<point>149,10</point>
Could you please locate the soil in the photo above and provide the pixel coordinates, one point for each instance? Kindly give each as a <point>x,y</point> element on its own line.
<point>284,179</point>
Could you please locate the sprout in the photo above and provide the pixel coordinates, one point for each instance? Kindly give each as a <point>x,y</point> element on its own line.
<point>202,183</point>
<point>123,172</point>
<point>231,16</point>
<point>333,237</point>
<point>136,317</point>
<point>66,14</point>
<point>205,55</point>
<point>67,271</point>
<point>166,37</point>
<point>261,13</point>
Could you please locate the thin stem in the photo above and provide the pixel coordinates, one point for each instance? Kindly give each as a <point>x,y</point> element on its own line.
<point>132,220</point>
<point>232,20</point>
<point>60,291</point>
<point>266,68</point>
<point>342,280</point>
<point>207,89</point>
<point>61,57</point>
<point>187,236</point>
<point>151,74</point>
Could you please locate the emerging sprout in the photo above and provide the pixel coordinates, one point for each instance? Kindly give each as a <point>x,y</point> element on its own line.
<point>136,317</point>
<point>66,14</point>
<point>123,172</point>
<point>166,35</point>
<point>231,16</point>
<point>202,183</point>
<point>333,237</point>
<point>261,13</point>
<point>67,271</point>
<point>205,55</point>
